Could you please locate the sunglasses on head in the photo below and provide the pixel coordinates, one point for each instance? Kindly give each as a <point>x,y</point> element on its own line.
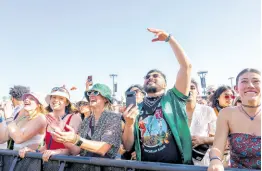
<point>61,89</point>
<point>153,75</point>
<point>83,104</point>
<point>210,92</point>
<point>137,91</point>
<point>230,96</point>
<point>95,93</point>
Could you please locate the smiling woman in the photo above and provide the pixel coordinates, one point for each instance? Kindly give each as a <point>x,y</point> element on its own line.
<point>99,134</point>
<point>28,129</point>
<point>245,139</point>
<point>60,115</point>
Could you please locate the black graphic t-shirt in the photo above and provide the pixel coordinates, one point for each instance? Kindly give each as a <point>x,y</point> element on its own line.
<point>157,141</point>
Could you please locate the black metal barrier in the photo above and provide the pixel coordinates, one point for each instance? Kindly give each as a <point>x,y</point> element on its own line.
<point>9,161</point>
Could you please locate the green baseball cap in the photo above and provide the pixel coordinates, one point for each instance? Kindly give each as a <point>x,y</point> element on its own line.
<point>103,89</point>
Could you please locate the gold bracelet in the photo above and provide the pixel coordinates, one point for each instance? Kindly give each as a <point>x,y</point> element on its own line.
<point>77,139</point>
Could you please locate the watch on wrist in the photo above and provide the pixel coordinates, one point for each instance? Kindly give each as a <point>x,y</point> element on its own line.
<point>79,142</point>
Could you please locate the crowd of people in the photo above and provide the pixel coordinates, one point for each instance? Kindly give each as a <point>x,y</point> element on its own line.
<point>165,125</point>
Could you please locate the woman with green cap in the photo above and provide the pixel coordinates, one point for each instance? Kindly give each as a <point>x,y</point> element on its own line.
<point>100,134</point>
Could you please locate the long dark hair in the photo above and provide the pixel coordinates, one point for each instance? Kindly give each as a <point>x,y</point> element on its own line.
<point>218,92</point>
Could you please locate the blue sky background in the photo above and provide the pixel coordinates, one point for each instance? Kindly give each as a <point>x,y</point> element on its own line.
<point>50,43</point>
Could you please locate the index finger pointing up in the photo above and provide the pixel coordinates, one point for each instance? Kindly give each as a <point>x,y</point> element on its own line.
<point>153,30</point>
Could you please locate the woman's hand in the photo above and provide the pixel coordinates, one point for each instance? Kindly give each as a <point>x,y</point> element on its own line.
<point>54,124</point>
<point>65,137</point>
<point>47,154</point>
<point>23,151</point>
<point>215,165</point>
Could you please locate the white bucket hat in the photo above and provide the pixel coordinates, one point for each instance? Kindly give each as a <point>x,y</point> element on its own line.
<point>58,91</point>
<point>38,96</point>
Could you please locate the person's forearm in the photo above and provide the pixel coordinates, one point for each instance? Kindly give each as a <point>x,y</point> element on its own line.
<point>179,53</point>
<point>62,151</point>
<point>15,133</point>
<point>128,137</point>
<point>97,147</point>
<point>209,140</point>
<point>73,149</point>
<point>215,152</point>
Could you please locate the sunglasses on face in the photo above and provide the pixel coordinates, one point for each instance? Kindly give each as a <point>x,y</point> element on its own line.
<point>153,75</point>
<point>95,93</point>
<point>230,96</point>
<point>210,92</point>
<point>83,104</point>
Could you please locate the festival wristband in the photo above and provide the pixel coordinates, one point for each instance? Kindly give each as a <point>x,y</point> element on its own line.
<point>168,38</point>
<point>215,158</point>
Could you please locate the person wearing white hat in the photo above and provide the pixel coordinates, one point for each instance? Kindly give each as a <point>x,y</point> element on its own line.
<point>60,115</point>
<point>28,129</point>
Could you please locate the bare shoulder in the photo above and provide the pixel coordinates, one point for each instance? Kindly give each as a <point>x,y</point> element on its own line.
<point>41,119</point>
<point>227,112</point>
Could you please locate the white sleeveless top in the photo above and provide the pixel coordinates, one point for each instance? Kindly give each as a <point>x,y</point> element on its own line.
<point>37,139</point>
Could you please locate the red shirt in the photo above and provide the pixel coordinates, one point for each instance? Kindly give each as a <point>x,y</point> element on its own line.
<point>50,143</point>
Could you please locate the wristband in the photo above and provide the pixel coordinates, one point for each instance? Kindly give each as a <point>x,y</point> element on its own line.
<point>168,38</point>
<point>1,119</point>
<point>215,158</point>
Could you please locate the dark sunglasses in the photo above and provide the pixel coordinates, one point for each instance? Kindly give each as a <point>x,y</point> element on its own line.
<point>230,96</point>
<point>210,92</point>
<point>153,75</point>
<point>95,93</point>
<point>83,104</point>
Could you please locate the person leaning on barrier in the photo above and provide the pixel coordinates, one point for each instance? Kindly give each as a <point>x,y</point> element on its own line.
<point>28,129</point>
<point>153,125</point>
<point>99,134</point>
<point>61,113</point>
<point>242,125</point>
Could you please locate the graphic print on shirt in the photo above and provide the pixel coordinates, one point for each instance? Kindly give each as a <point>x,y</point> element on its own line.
<point>154,132</point>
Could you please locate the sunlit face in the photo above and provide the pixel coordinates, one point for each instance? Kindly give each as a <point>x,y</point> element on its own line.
<point>139,94</point>
<point>96,100</point>
<point>30,103</point>
<point>193,92</point>
<point>154,82</point>
<point>226,98</point>
<point>58,103</point>
<point>248,88</point>
<point>84,108</point>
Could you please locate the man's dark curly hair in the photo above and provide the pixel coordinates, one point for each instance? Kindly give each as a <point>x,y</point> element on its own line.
<point>18,91</point>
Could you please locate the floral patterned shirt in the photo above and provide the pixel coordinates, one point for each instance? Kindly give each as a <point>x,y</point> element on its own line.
<point>107,129</point>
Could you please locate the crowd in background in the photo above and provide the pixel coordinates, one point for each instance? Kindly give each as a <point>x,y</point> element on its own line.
<point>171,126</point>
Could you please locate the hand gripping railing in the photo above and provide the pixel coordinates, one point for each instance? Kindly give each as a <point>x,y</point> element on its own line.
<point>62,162</point>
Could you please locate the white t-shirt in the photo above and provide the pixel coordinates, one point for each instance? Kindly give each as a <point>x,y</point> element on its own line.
<point>203,123</point>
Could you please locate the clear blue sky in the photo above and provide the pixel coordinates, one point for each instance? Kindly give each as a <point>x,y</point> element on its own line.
<point>49,43</point>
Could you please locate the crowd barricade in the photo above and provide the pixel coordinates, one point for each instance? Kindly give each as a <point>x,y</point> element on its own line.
<point>10,161</point>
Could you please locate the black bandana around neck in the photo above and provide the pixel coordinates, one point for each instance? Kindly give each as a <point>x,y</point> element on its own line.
<point>150,104</point>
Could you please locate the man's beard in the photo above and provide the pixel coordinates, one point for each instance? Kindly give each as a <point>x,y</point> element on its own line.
<point>150,89</point>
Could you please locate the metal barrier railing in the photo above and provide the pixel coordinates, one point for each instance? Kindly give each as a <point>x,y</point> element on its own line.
<point>9,161</point>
